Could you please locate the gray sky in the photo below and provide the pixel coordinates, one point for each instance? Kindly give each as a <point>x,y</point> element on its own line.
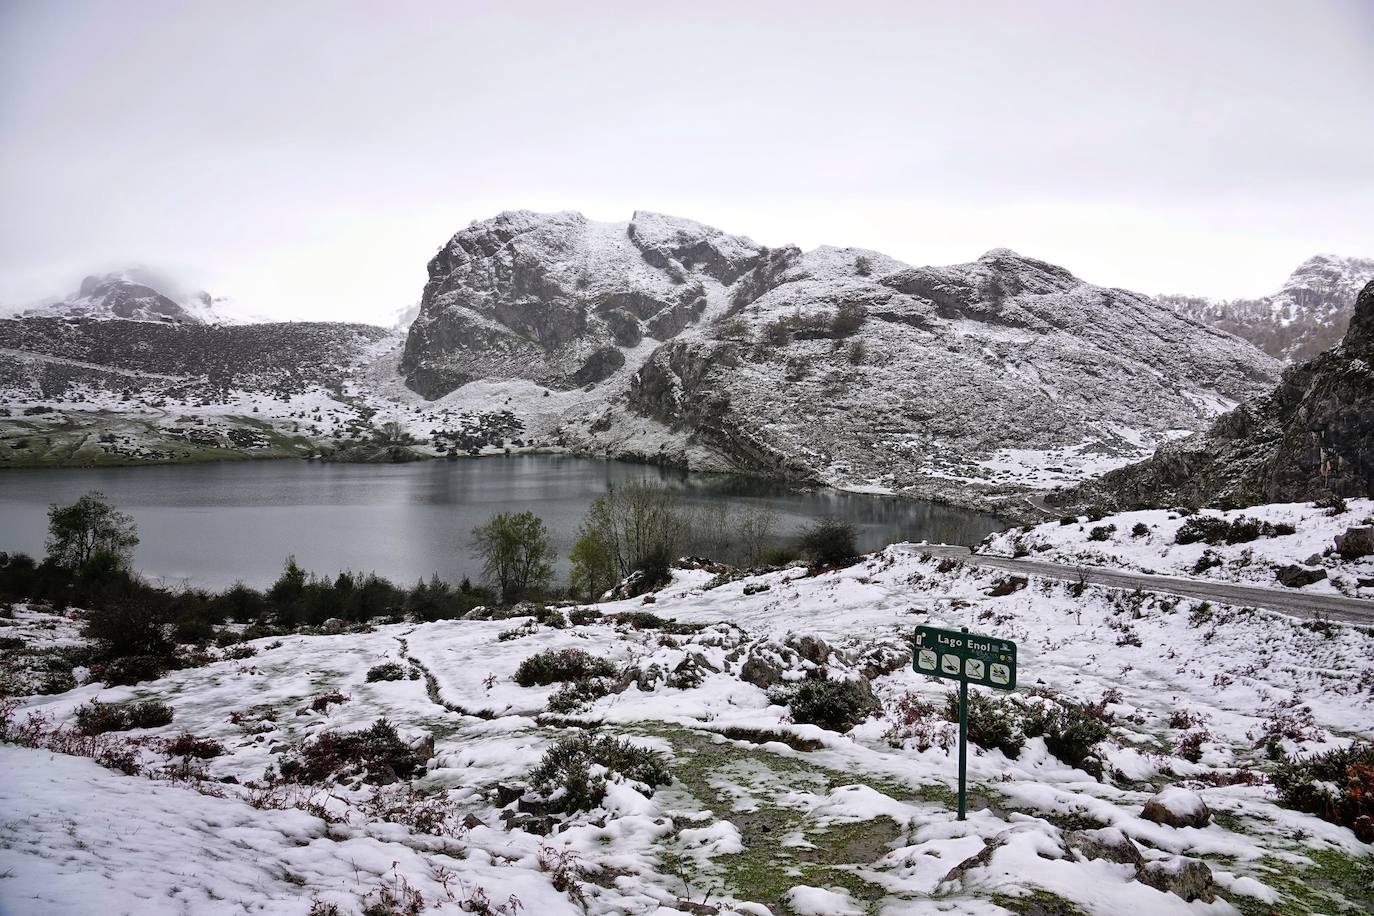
<point>309,158</point>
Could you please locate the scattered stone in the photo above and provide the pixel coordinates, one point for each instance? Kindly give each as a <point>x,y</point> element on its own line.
<point>1357,542</point>
<point>537,824</point>
<point>1175,807</point>
<point>696,909</point>
<point>648,599</point>
<point>1190,879</point>
<point>1295,576</point>
<point>755,588</point>
<point>760,672</point>
<point>1007,586</point>
<point>812,649</point>
<point>978,860</point>
<point>1107,843</point>
<point>507,792</point>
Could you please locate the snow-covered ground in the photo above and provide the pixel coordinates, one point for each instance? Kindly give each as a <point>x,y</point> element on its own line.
<point>1147,541</point>
<point>753,823</point>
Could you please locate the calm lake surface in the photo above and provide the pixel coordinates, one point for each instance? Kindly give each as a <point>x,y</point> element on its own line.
<point>214,524</point>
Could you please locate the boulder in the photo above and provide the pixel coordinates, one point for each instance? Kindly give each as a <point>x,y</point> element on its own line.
<point>1177,807</point>
<point>1190,879</point>
<point>1108,843</point>
<point>333,626</point>
<point>760,672</point>
<point>1357,542</point>
<point>1295,576</point>
<point>811,648</point>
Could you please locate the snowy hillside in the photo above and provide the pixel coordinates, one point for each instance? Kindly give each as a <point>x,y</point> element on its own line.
<point>1262,545</point>
<point>755,813</point>
<point>675,342</point>
<point>1308,315</point>
<point>86,392</point>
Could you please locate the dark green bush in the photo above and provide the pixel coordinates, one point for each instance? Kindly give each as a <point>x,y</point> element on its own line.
<point>829,542</point>
<point>1307,783</point>
<point>993,722</point>
<point>554,665</point>
<point>575,695</point>
<point>387,671</point>
<point>1101,532</point>
<point>188,745</point>
<point>376,755</point>
<point>1070,730</point>
<point>96,718</point>
<point>567,766</point>
<point>1210,529</point>
<point>834,705</point>
<point>1139,530</point>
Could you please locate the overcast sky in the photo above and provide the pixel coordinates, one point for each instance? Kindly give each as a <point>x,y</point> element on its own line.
<point>309,158</point>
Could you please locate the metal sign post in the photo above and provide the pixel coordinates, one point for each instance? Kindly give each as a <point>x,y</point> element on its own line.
<point>968,658</point>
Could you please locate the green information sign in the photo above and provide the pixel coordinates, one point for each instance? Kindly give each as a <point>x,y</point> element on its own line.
<point>988,661</point>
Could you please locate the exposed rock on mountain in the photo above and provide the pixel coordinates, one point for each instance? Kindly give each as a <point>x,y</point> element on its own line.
<point>1306,317</point>
<point>837,365</point>
<point>557,298</point>
<point>1313,436</point>
<point>136,294</point>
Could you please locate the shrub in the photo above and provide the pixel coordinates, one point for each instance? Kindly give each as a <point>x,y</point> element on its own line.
<point>848,319</point>
<point>993,722</point>
<point>829,542</point>
<point>149,714</point>
<point>1337,786</point>
<point>554,665</point>
<point>1101,532</point>
<point>188,745</point>
<point>567,766</point>
<point>1069,520</point>
<point>96,718</point>
<point>857,352</point>
<point>387,671</point>
<point>1139,530</point>
<point>1210,529</point>
<point>1208,560</point>
<point>321,703</point>
<point>836,706</point>
<point>376,755</point>
<point>914,719</point>
<point>1070,730</point>
<point>240,652</point>
<point>577,694</point>
<point>130,626</point>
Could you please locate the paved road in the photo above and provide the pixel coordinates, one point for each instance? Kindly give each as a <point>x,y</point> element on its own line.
<point>1287,601</point>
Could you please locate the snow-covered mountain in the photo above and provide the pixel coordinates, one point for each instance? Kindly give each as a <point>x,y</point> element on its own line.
<point>1311,437</point>
<point>138,294</point>
<point>1309,313</point>
<point>662,339</point>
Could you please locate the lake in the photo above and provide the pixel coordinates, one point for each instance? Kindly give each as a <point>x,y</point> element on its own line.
<point>213,524</point>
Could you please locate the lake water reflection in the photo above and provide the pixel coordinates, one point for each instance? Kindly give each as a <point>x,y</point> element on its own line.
<point>213,524</point>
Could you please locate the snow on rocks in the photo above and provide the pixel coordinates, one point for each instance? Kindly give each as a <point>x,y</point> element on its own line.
<point>1177,807</point>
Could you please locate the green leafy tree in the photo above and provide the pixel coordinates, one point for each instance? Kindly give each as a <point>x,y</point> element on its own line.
<point>89,526</point>
<point>593,565</point>
<point>515,552</point>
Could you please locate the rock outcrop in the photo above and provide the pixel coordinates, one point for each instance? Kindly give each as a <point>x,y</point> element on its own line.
<point>693,347</point>
<point>1311,437</point>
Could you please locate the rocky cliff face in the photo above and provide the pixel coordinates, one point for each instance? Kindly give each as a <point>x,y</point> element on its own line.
<point>1312,436</point>
<point>559,299</point>
<point>1307,316</point>
<point>689,346</point>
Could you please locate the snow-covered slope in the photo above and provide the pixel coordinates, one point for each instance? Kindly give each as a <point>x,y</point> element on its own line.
<point>1309,313</point>
<point>762,814</point>
<point>1264,542</point>
<point>972,382</point>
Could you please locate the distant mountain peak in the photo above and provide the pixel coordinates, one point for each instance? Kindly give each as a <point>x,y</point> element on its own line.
<point>1307,315</point>
<point>133,294</point>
